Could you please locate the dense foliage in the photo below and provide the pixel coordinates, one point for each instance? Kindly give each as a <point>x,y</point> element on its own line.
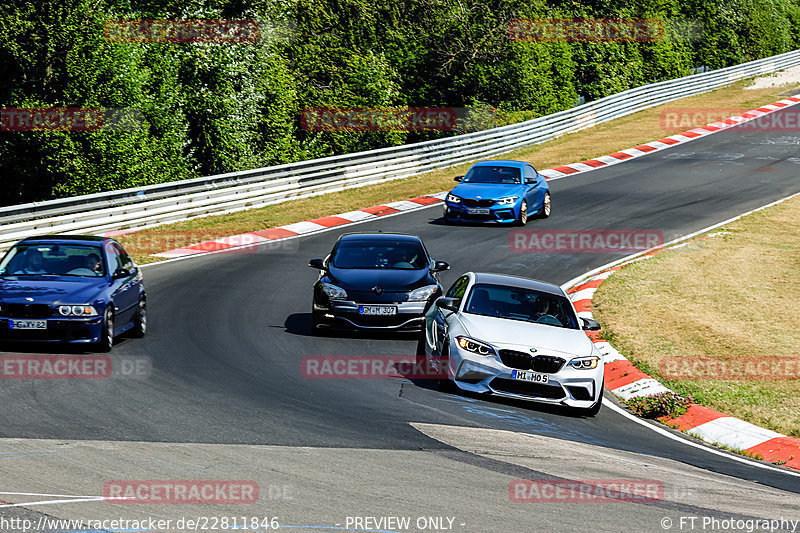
<point>213,108</point>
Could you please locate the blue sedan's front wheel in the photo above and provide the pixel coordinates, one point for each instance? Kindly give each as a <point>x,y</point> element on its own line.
<point>140,322</point>
<point>106,341</point>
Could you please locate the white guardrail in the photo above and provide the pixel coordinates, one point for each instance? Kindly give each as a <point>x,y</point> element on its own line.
<point>225,193</point>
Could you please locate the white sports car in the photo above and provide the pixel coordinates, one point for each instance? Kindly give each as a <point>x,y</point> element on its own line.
<point>514,337</point>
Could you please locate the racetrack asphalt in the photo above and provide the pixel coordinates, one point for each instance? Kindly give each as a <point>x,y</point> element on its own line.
<point>227,333</point>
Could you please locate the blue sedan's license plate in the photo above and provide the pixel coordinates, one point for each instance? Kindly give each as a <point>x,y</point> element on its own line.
<point>526,375</point>
<point>27,324</point>
<point>478,211</point>
<point>377,310</point>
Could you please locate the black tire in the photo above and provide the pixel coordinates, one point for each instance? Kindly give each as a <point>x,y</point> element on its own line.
<point>106,341</point>
<point>544,212</point>
<point>523,214</point>
<point>316,330</point>
<point>445,384</point>
<point>446,219</point>
<point>593,410</point>
<point>139,328</point>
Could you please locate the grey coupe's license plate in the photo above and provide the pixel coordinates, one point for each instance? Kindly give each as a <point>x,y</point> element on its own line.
<point>478,211</point>
<point>377,310</point>
<point>27,324</point>
<point>526,375</point>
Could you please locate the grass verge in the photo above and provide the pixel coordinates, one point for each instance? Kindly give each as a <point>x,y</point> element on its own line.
<point>728,300</point>
<point>603,139</point>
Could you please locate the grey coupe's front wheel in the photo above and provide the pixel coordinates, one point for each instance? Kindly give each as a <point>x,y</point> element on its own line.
<point>445,384</point>
<point>593,410</point>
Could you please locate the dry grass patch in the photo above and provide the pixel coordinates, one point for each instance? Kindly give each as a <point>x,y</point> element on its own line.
<point>606,138</point>
<point>731,297</point>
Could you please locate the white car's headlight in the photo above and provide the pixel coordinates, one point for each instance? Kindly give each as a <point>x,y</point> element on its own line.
<point>423,293</point>
<point>478,347</point>
<point>585,363</point>
<point>453,198</point>
<point>77,310</point>
<point>334,292</point>
<point>507,201</point>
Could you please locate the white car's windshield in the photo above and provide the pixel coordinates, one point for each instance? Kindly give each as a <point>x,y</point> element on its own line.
<point>53,260</point>
<point>516,303</point>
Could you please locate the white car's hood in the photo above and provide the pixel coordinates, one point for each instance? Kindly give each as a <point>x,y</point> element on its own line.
<point>527,334</point>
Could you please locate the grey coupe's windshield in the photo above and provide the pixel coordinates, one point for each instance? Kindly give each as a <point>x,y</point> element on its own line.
<point>53,260</point>
<point>402,255</point>
<point>489,174</point>
<point>517,303</point>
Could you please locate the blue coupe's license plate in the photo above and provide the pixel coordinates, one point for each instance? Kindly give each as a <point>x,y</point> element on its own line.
<point>27,324</point>
<point>377,310</point>
<point>526,375</point>
<point>478,211</point>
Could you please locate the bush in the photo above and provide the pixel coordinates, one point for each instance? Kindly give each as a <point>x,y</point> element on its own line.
<point>668,404</point>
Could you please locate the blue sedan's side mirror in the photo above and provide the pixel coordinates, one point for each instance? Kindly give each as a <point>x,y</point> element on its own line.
<point>458,178</point>
<point>317,263</point>
<point>121,273</point>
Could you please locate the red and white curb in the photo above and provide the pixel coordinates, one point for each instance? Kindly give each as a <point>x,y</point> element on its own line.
<point>351,217</point>
<point>626,381</point>
<point>301,228</point>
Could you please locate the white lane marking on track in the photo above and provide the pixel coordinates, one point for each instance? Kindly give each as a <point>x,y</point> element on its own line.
<point>53,502</point>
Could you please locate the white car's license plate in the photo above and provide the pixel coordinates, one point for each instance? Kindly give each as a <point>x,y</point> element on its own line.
<point>478,211</point>
<point>377,310</point>
<point>27,324</point>
<point>526,375</point>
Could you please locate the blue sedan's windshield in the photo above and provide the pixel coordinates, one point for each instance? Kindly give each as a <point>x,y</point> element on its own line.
<point>509,175</point>
<point>517,303</point>
<point>53,260</point>
<point>379,254</point>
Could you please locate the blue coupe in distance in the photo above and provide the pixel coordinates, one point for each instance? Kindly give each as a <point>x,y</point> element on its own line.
<point>70,288</point>
<point>498,191</point>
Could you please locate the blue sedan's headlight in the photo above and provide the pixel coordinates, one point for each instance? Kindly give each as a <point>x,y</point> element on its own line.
<point>453,198</point>
<point>334,292</point>
<point>423,293</point>
<point>84,310</point>
<point>507,201</point>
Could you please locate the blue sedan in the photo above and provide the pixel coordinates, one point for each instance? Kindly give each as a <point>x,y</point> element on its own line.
<point>71,288</point>
<point>499,191</point>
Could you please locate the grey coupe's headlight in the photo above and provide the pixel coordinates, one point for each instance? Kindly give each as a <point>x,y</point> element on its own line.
<point>453,198</point>
<point>584,363</point>
<point>423,293</point>
<point>507,201</point>
<point>471,345</point>
<point>334,292</point>
<point>84,310</point>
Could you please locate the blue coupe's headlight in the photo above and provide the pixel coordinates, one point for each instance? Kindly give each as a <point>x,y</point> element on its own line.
<point>584,363</point>
<point>334,292</point>
<point>453,198</point>
<point>507,201</point>
<point>423,293</point>
<point>84,310</point>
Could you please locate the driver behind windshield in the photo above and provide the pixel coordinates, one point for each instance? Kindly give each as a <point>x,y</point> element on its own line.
<point>93,263</point>
<point>35,262</point>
